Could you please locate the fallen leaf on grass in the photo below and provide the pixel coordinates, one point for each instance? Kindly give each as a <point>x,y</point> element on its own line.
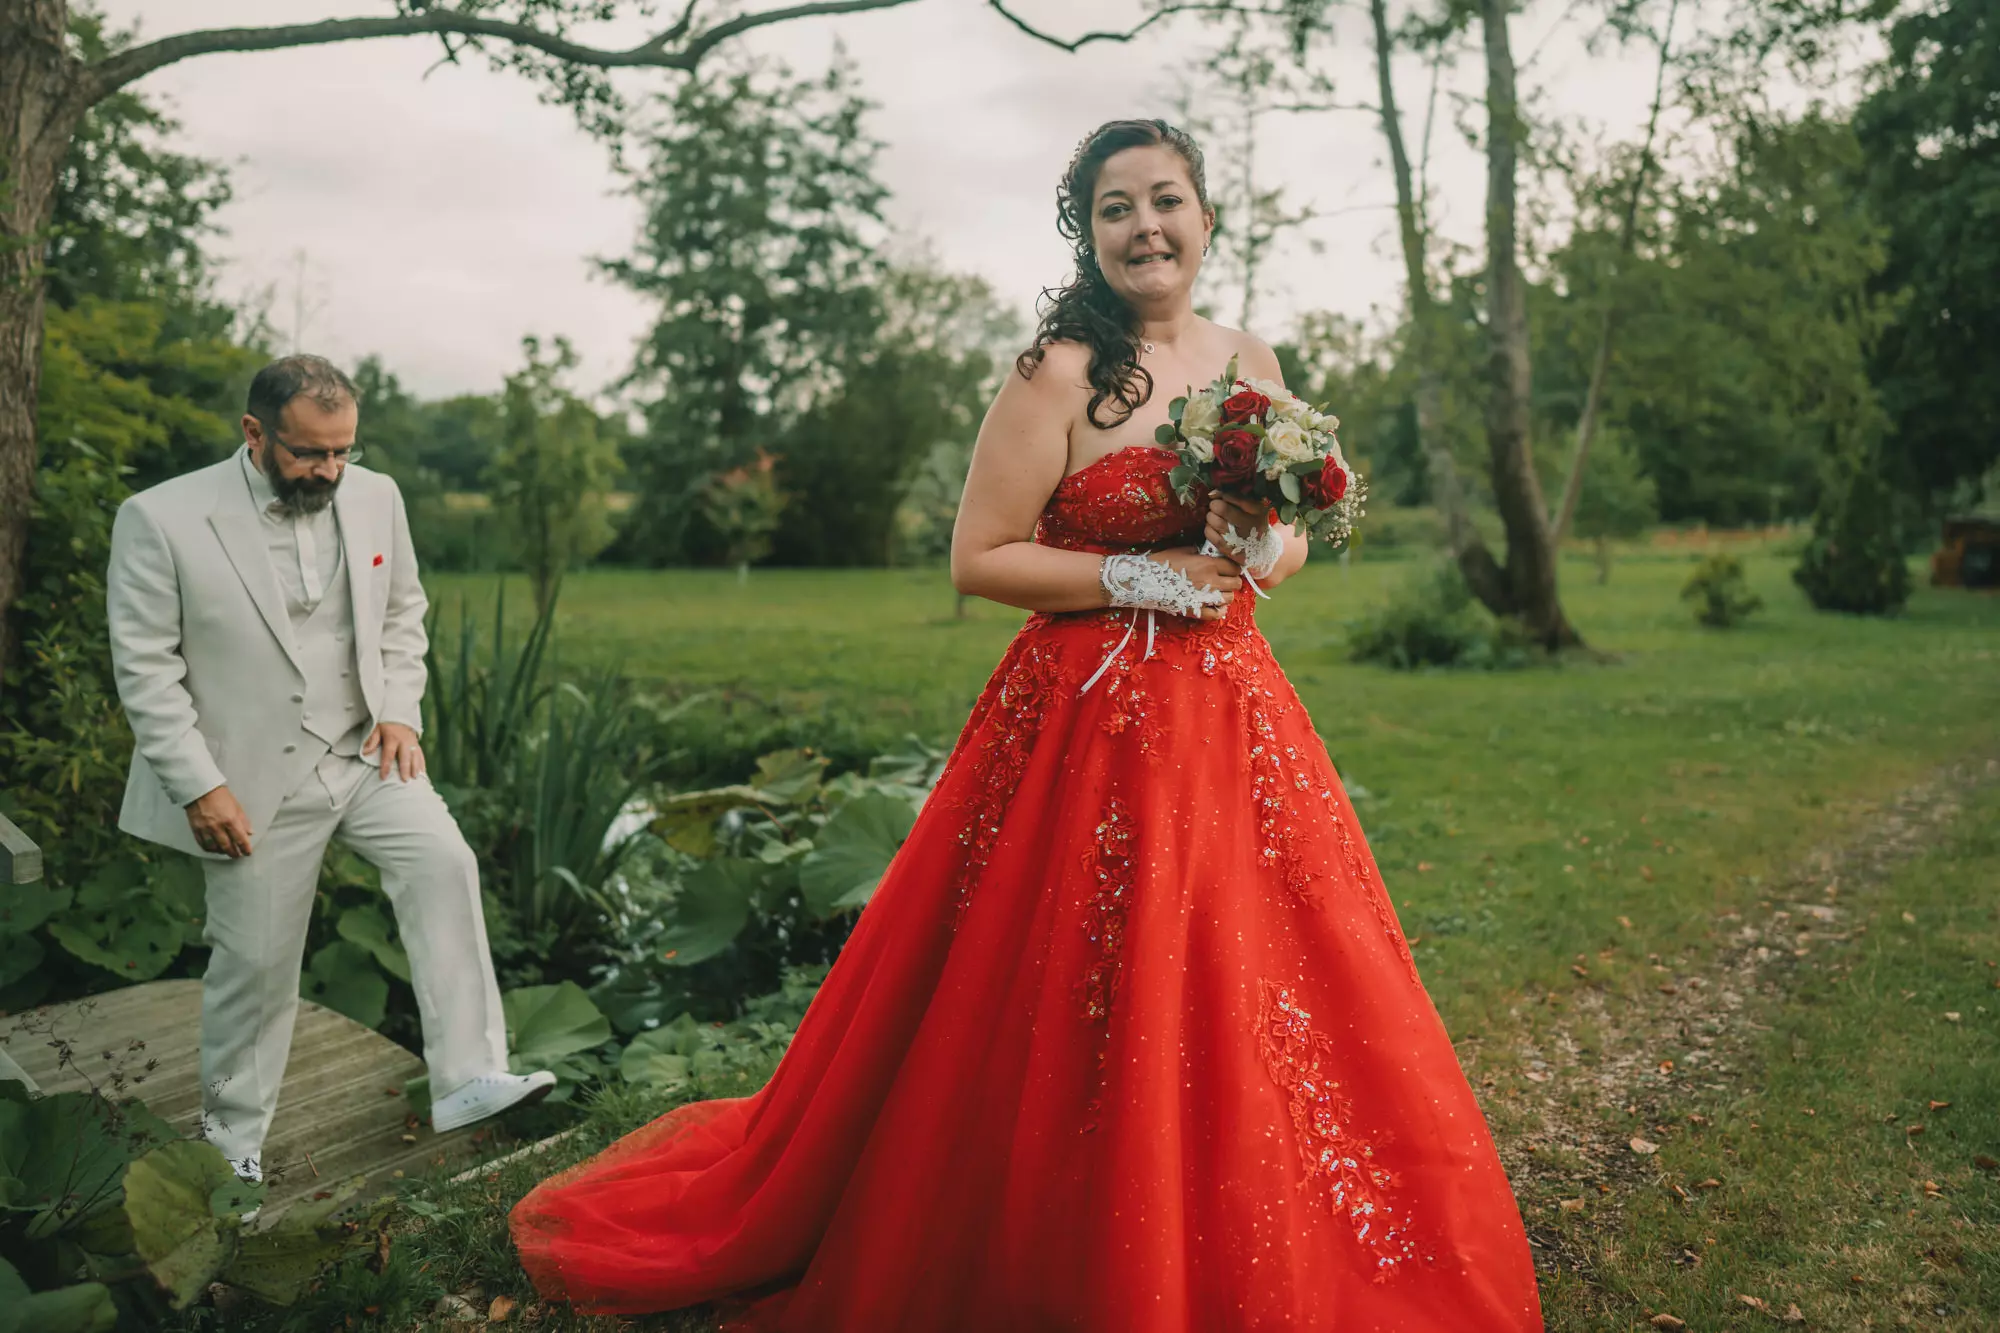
<point>1625,921</point>
<point>1931,1190</point>
<point>1571,1205</point>
<point>1951,1015</point>
<point>1939,1106</point>
<point>1752,1301</point>
<point>1579,969</point>
<point>1666,1321</point>
<point>1710,1184</point>
<point>1423,865</point>
<point>1537,1076</point>
<point>1666,1066</point>
<point>1794,1315</point>
<point>1986,1163</point>
<point>1644,1147</point>
<point>1913,1130</point>
<point>497,1312</point>
<point>1910,917</point>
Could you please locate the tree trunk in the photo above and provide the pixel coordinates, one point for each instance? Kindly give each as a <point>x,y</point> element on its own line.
<point>41,104</point>
<point>1482,573</point>
<point>1517,493</point>
<point>1600,366</point>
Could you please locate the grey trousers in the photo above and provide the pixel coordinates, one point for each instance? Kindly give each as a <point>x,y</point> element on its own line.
<point>260,905</point>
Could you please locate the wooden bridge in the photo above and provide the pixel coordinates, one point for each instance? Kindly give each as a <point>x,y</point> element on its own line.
<point>342,1110</point>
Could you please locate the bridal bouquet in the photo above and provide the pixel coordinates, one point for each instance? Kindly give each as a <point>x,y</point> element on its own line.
<point>1254,438</point>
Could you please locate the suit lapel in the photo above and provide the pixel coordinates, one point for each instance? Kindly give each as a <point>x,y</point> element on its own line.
<point>355,554</point>
<point>241,532</point>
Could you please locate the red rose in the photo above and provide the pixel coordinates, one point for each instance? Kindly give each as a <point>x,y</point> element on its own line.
<point>1244,405</point>
<point>1324,488</point>
<point>1235,457</point>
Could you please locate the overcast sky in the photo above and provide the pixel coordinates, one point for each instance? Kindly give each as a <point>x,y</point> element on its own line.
<point>437,219</point>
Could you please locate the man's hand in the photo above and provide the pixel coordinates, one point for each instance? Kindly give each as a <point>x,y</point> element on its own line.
<point>219,824</point>
<point>399,750</point>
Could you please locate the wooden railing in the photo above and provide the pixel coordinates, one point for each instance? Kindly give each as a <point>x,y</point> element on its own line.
<point>20,858</point>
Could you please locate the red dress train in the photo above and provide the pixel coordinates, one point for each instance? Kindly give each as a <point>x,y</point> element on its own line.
<point>1128,1041</point>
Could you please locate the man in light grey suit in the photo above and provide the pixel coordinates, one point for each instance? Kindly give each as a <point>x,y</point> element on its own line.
<point>267,630</point>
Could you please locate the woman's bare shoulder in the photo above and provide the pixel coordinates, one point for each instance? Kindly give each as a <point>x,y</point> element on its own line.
<point>1064,362</point>
<point>1254,357</point>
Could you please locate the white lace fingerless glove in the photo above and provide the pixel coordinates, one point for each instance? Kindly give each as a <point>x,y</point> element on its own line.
<point>1148,585</point>
<point>1258,555</point>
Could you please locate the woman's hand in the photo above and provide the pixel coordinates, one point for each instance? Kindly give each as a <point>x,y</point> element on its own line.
<point>1248,517</point>
<point>1214,571</point>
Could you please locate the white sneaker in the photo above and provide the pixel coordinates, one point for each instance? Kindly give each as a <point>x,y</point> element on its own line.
<point>488,1094</point>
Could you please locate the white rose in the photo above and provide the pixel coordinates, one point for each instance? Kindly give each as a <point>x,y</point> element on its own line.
<point>1200,416</point>
<point>1289,441</point>
<point>1284,403</point>
<point>1202,447</point>
<point>1324,422</point>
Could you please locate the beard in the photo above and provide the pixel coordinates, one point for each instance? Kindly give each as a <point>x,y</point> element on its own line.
<point>299,495</point>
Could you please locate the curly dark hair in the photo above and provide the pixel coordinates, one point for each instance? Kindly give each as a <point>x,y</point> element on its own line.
<point>1088,311</point>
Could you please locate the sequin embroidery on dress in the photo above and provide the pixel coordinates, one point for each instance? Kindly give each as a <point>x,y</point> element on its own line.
<point>1357,1186</point>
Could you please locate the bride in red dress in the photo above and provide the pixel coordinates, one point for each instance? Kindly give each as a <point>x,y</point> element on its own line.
<point>1129,1039</point>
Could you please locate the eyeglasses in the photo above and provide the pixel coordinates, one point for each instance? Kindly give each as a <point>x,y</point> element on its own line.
<point>314,457</point>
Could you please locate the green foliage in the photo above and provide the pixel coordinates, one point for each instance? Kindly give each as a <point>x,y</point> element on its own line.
<point>97,1194</point>
<point>138,372</point>
<point>130,213</point>
<point>1618,499</point>
<point>1433,621</point>
<point>1854,561</point>
<point>1721,595</point>
<point>85,1307</point>
<point>556,465</point>
<point>132,918</point>
<point>1930,132</point>
<point>760,246</point>
<point>742,507</point>
<point>914,389</point>
<point>1745,321</point>
<point>555,1028</point>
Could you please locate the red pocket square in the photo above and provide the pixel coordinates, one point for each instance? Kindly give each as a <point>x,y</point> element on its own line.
<point>378,560</point>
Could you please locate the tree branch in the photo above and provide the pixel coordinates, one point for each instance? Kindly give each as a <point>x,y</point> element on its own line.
<point>116,71</point>
<point>1165,11</point>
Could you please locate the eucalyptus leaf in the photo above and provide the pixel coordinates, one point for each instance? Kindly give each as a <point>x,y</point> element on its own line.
<point>1176,407</point>
<point>1165,434</point>
<point>1289,483</point>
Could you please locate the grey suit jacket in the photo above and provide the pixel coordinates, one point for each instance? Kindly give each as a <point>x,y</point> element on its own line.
<point>203,648</point>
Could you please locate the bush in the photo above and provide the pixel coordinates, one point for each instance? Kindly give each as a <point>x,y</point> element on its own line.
<point>1720,593</point>
<point>1854,559</point>
<point>1432,620</point>
<point>110,1218</point>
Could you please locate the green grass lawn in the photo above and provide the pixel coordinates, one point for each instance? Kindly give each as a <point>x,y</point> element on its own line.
<point>1516,815</point>
<point>1556,840</point>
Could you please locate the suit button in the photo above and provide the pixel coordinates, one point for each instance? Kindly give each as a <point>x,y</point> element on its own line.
<point>298,698</point>
<point>290,748</point>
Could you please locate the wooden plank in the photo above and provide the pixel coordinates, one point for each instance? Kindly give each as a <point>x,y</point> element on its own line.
<point>20,858</point>
<point>341,1109</point>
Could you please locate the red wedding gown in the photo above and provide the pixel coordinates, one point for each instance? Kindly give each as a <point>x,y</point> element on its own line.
<point>1128,1041</point>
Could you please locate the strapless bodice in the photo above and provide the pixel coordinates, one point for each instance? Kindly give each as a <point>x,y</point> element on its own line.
<point>1121,502</point>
